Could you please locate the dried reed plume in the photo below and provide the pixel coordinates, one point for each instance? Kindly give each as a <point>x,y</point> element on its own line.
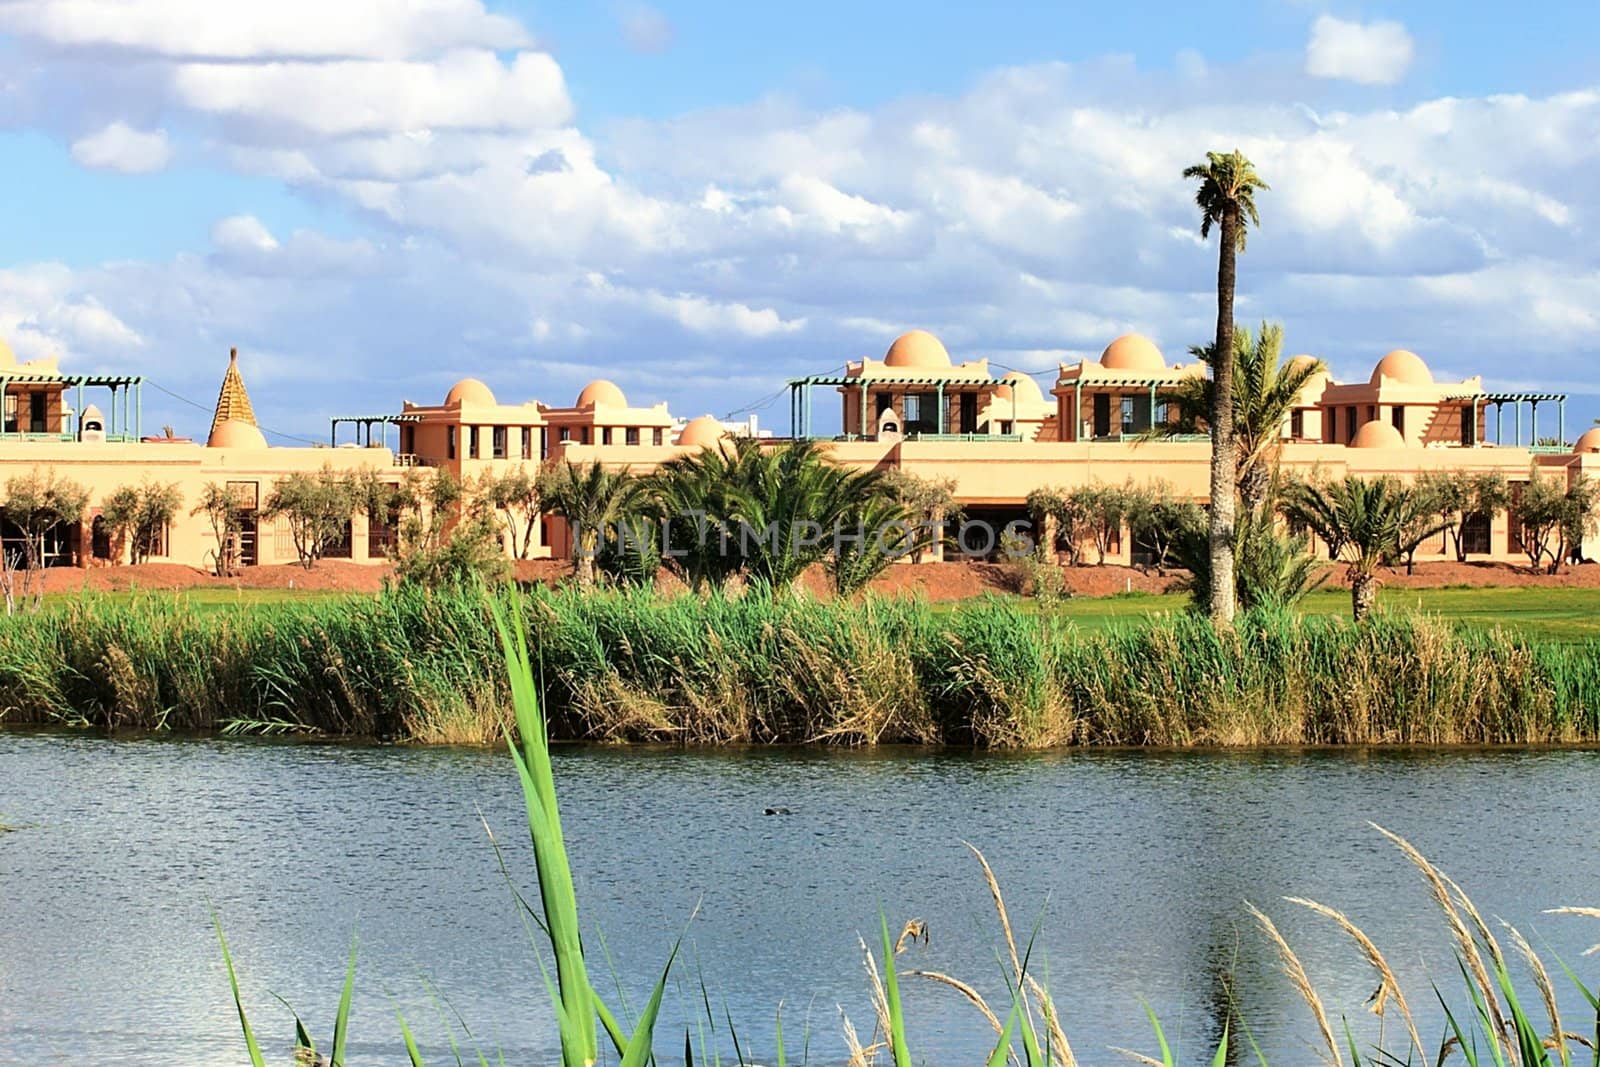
<point>1588,913</point>
<point>1389,984</point>
<point>1301,982</point>
<point>1441,888</point>
<point>1547,990</point>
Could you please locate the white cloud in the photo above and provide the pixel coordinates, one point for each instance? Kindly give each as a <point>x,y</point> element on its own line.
<point>833,208</point>
<point>1038,212</point>
<point>47,310</point>
<point>700,315</point>
<point>1372,53</point>
<point>282,29</point>
<point>646,30</point>
<point>470,90</point>
<point>121,147</point>
<point>694,313</point>
<point>242,233</point>
<point>244,244</point>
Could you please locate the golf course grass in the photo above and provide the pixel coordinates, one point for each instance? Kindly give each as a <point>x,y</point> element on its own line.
<point>1559,613</point>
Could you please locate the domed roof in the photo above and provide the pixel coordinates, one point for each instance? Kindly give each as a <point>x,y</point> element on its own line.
<point>91,413</point>
<point>235,433</point>
<point>1377,434</point>
<point>1404,367</point>
<point>704,432</point>
<point>1589,442</point>
<point>1133,352</point>
<point>468,391</point>
<point>601,392</point>
<point>917,348</point>
<point>1027,390</point>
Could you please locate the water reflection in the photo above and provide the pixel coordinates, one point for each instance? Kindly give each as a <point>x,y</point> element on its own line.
<point>1133,866</point>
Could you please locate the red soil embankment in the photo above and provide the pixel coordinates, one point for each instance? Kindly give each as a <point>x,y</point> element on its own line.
<point>958,580</point>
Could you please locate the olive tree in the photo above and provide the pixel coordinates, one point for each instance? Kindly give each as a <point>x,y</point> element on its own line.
<point>446,535</point>
<point>1070,514</point>
<point>515,494</point>
<point>138,515</point>
<point>1555,520</point>
<point>221,508</point>
<point>1161,519</point>
<point>1105,509</point>
<point>317,508</point>
<point>37,503</point>
<point>928,503</point>
<point>1462,496</point>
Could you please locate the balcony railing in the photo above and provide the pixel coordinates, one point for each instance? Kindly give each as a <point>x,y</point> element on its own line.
<point>963,437</point>
<point>934,437</point>
<point>1140,438</point>
<point>31,435</point>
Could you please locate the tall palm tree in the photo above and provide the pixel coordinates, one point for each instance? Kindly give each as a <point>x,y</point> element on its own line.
<point>1264,394</point>
<point>1226,199</point>
<point>593,500</point>
<point>1365,518</point>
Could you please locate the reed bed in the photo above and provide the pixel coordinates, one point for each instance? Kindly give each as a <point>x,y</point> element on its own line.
<point>424,666</point>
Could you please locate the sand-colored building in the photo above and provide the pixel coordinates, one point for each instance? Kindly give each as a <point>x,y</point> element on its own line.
<point>1401,422</point>
<point>106,451</point>
<point>996,437</point>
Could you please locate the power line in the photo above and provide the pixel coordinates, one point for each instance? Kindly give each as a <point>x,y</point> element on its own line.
<point>203,407</point>
<point>762,403</point>
<point>1021,370</point>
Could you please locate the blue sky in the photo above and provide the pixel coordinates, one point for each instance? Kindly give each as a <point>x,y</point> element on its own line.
<point>373,198</point>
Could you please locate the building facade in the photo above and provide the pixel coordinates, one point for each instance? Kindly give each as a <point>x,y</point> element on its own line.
<point>996,438</point>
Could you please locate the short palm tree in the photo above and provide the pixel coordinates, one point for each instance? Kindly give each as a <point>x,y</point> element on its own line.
<point>768,512</point>
<point>800,503</point>
<point>1264,394</point>
<point>1364,519</point>
<point>593,500</point>
<point>1226,198</point>
<point>688,494</point>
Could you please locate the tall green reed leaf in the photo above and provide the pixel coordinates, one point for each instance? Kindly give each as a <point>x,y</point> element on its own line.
<point>576,1014</point>
<point>891,988</point>
<point>238,1002</point>
<point>412,1053</point>
<point>341,1021</point>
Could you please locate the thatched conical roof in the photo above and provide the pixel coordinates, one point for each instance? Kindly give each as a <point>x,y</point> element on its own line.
<point>233,402</point>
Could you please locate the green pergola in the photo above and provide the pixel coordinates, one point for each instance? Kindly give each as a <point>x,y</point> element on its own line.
<point>126,411</point>
<point>942,385</point>
<point>1533,400</point>
<point>364,425</point>
<point>1152,382</point>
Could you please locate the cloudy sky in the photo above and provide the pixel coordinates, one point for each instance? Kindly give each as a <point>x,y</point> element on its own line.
<point>373,198</point>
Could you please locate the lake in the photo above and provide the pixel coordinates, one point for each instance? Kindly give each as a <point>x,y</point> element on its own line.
<point>1133,866</point>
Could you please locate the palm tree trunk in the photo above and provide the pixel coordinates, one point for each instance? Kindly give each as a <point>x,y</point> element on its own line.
<point>1363,594</point>
<point>583,565</point>
<point>1253,486</point>
<point>1222,444</point>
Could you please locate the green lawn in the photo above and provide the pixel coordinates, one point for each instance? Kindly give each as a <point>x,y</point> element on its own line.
<point>1557,614</point>
<point>214,597</point>
<point>1554,613</point>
